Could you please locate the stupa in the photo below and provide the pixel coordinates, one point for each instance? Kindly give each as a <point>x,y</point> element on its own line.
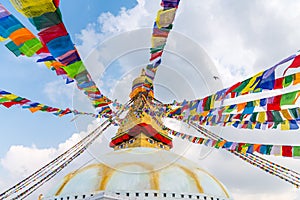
<point>142,165</point>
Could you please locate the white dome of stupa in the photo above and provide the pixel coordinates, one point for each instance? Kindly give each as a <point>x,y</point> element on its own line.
<point>140,173</point>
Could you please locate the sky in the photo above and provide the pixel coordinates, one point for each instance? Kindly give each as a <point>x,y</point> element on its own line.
<point>240,38</point>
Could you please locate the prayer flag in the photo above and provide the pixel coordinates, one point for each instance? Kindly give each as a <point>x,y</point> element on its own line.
<point>296,151</point>
<point>289,98</point>
<point>287,151</point>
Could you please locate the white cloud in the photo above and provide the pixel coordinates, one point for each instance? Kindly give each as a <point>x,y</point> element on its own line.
<point>21,160</point>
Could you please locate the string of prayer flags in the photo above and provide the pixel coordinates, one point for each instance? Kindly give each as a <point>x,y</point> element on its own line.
<point>279,83</point>
<point>264,80</point>
<point>203,107</point>
<point>59,52</point>
<point>160,32</point>
<point>286,119</point>
<point>242,147</point>
<point>8,100</point>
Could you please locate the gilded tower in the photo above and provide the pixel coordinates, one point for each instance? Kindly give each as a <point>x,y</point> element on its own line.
<point>140,128</point>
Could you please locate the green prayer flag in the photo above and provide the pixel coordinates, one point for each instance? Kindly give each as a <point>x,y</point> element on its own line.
<point>288,98</point>
<point>2,100</point>
<point>269,149</point>
<point>30,47</point>
<point>253,117</point>
<point>249,125</point>
<point>74,69</point>
<point>242,85</point>
<point>157,49</point>
<point>250,104</point>
<point>276,116</point>
<point>47,20</point>
<point>296,151</point>
<point>208,103</point>
<point>288,80</point>
<point>294,112</point>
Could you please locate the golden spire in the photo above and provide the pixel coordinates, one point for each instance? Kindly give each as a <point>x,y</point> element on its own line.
<point>141,127</point>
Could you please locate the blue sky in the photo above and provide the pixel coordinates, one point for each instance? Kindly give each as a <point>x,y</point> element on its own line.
<point>238,41</point>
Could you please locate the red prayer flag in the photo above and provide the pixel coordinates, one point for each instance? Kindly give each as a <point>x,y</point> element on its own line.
<point>278,83</point>
<point>275,105</point>
<point>156,55</point>
<point>287,151</point>
<point>232,88</point>
<point>240,147</point>
<point>53,32</point>
<point>9,104</point>
<point>50,109</point>
<point>295,64</point>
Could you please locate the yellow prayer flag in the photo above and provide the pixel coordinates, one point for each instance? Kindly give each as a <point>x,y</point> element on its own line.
<point>193,112</point>
<point>33,8</point>
<point>10,96</point>
<point>285,125</point>
<point>256,102</point>
<point>212,102</point>
<point>48,64</point>
<point>244,149</point>
<point>252,83</point>
<point>261,117</point>
<point>165,17</point>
